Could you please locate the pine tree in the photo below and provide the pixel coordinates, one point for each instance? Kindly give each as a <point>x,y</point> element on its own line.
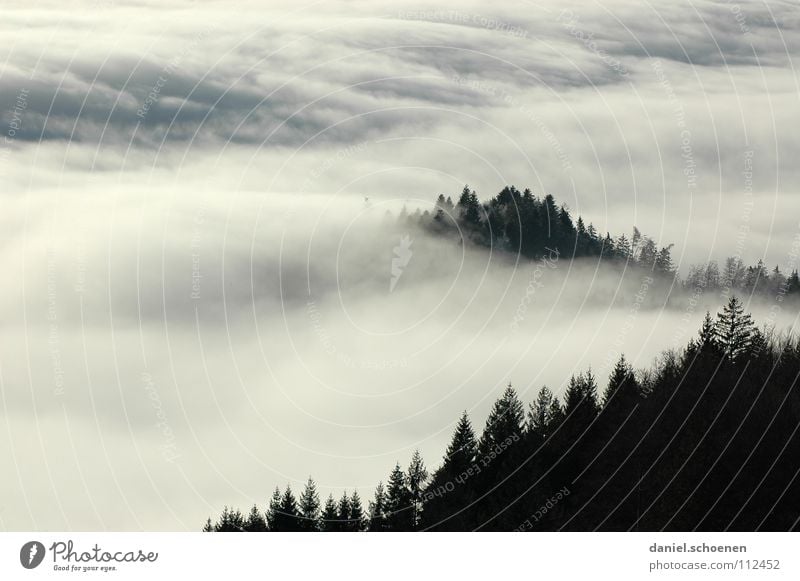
<point>230,521</point>
<point>664,261</point>
<point>357,521</point>
<point>734,329</point>
<point>622,248</point>
<point>343,512</point>
<point>398,502</point>
<point>377,510</point>
<point>539,414</point>
<point>309,507</point>
<point>208,527</point>
<point>580,404</point>
<point>329,521</point>
<point>556,415</point>
<point>288,515</point>
<point>622,395</point>
<point>469,207</point>
<point>505,421</point>
<point>793,283</point>
<point>416,477</point>
<point>255,522</point>
<point>274,511</point>
<point>622,387</point>
<point>460,453</point>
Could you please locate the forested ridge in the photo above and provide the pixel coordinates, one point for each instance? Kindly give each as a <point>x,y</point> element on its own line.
<point>706,439</point>
<point>531,227</point>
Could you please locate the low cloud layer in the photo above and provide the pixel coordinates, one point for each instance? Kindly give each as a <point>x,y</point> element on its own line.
<point>198,301</point>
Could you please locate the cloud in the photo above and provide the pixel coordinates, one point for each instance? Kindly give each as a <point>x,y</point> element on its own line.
<point>197,301</point>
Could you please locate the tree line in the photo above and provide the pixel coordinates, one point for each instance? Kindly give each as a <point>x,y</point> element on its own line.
<point>533,226</point>
<point>707,439</point>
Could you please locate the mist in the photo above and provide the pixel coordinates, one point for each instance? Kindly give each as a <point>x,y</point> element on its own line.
<point>206,289</point>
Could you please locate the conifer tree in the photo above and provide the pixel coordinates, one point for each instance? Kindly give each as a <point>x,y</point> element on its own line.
<point>329,521</point>
<point>398,502</point>
<point>469,207</point>
<point>539,414</point>
<point>581,400</point>
<point>505,421</point>
<point>255,522</point>
<point>309,507</point>
<point>416,477</point>
<point>343,513</point>
<point>230,521</point>
<point>734,329</point>
<point>288,514</point>
<point>622,390</point>
<point>708,333</point>
<point>274,511</point>
<point>357,521</point>
<point>377,510</point>
<point>556,415</point>
<point>460,453</point>
<point>622,396</point>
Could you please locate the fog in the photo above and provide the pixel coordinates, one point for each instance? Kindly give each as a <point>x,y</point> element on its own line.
<point>203,296</point>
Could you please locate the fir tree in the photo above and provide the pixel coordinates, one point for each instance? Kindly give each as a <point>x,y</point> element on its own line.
<point>358,521</point>
<point>398,502</point>
<point>255,522</point>
<point>288,514</point>
<point>539,414</point>
<point>469,207</point>
<point>329,521</point>
<point>230,521</point>
<point>274,511</point>
<point>505,421</point>
<point>377,510</point>
<point>309,507</point>
<point>343,512</point>
<point>734,329</point>
<point>416,477</point>
<point>460,453</point>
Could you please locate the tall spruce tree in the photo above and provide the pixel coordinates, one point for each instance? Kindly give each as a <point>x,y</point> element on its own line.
<point>274,511</point>
<point>377,510</point>
<point>734,329</point>
<point>398,502</point>
<point>288,515</point>
<point>255,522</point>
<point>539,415</point>
<point>506,420</point>
<point>230,521</point>
<point>358,521</point>
<point>329,520</point>
<point>343,513</point>
<point>416,477</point>
<point>309,507</point>
<point>460,453</point>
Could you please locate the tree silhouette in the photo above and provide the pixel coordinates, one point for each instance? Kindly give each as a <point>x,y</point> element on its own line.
<point>377,510</point>
<point>734,329</point>
<point>399,513</point>
<point>255,522</point>
<point>309,507</point>
<point>329,521</point>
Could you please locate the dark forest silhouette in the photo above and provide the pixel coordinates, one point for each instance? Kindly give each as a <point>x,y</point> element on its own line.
<point>704,440</point>
<point>531,227</point>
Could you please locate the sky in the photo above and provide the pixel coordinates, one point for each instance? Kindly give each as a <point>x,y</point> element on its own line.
<point>199,301</point>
